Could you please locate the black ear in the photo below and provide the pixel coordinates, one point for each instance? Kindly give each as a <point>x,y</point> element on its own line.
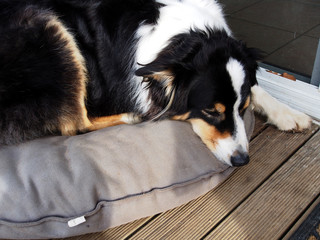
<point>164,77</point>
<point>250,57</point>
<point>179,53</point>
<point>253,56</point>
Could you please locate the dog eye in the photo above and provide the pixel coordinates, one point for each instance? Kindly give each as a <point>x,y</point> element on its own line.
<point>216,113</point>
<point>213,114</point>
<point>209,113</point>
<point>210,110</point>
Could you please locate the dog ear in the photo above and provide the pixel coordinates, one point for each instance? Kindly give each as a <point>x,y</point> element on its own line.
<point>157,72</point>
<point>164,77</point>
<point>178,54</point>
<point>253,56</point>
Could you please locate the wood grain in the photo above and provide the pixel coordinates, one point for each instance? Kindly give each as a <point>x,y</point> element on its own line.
<point>269,211</point>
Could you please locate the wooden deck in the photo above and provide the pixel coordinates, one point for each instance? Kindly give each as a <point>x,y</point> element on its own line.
<point>266,199</point>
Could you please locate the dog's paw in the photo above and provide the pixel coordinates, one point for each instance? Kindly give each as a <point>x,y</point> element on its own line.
<point>291,120</point>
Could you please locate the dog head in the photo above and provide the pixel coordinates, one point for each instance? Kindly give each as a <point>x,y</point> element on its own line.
<point>206,80</point>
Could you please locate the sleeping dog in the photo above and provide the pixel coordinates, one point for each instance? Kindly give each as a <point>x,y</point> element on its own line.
<point>73,66</point>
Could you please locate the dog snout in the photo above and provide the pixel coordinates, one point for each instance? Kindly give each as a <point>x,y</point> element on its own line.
<point>239,159</point>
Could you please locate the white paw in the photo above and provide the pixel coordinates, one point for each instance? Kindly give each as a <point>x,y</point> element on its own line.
<point>279,114</point>
<point>288,119</point>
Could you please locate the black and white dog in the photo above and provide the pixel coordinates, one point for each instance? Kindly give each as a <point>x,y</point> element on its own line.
<point>70,66</point>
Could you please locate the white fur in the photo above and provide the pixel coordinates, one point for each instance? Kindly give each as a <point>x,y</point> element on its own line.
<point>224,150</point>
<point>130,118</point>
<point>279,114</point>
<point>238,142</point>
<point>176,17</point>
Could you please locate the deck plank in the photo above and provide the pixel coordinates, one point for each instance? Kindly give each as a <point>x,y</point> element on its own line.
<point>123,231</point>
<point>301,219</point>
<point>269,211</point>
<point>267,150</point>
<point>259,126</point>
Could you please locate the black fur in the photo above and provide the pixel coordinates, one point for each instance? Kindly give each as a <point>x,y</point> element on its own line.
<point>38,81</point>
<point>201,78</point>
<point>37,78</point>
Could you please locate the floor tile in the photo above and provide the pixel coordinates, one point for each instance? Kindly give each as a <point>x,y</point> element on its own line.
<point>265,38</point>
<point>231,6</point>
<point>314,32</point>
<point>297,56</point>
<point>314,2</point>
<point>287,15</point>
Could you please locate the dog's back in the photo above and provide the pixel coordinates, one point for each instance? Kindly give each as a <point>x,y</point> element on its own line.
<point>42,74</point>
<point>62,59</point>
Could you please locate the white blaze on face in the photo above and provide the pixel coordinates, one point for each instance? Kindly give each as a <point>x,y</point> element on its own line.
<point>238,142</point>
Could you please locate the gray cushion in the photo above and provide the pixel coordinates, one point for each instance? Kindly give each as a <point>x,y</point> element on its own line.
<point>110,177</point>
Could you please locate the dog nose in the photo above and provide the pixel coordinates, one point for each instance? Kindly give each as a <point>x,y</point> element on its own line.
<point>239,159</point>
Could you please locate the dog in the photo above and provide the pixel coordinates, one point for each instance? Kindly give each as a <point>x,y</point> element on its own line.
<point>73,66</point>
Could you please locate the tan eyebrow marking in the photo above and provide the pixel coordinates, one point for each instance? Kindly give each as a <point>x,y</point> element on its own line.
<point>220,107</point>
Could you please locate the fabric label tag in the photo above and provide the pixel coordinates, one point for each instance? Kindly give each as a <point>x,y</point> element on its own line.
<point>77,221</point>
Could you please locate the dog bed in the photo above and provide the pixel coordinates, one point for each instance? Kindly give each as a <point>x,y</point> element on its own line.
<point>66,186</point>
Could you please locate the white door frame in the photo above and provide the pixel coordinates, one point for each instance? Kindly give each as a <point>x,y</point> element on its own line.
<point>297,94</point>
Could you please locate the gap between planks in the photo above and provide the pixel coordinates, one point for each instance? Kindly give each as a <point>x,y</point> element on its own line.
<point>292,229</point>
<point>269,211</point>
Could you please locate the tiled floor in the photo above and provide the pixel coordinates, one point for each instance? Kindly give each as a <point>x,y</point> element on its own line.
<point>287,31</point>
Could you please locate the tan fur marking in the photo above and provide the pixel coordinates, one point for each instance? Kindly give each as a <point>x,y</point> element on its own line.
<point>208,134</point>
<point>247,103</point>
<point>64,35</point>
<point>70,124</point>
<point>220,107</point>
<point>68,128</point>
<point>165,77</point>
<point>181,117</point>
<point>109,121</point>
